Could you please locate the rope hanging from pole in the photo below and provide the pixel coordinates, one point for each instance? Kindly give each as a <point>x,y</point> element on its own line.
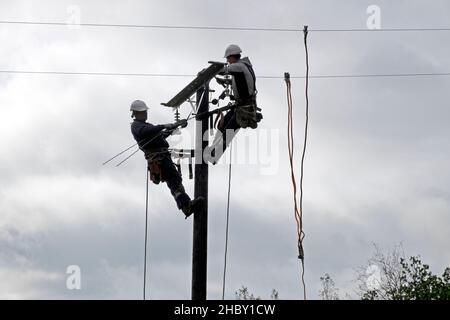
<point>146,233</point>
<point>227,223</point>
<point>298,207</point>
<point>302,234</point>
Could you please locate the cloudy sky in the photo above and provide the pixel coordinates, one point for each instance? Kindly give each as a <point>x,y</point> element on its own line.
<point>376,168</point>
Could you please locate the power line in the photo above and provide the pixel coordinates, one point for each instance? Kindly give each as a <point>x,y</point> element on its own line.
<point>103,25</point>
<point>96,73</point>
<point>326,76</point>
<point>382,75</point>
<point>144,26</point>
<point>385,75</point>
<point>381,30</point>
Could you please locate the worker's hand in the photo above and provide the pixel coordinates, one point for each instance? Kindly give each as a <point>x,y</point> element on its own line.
<point>222,81</point>
<point>170,126</point>
<point>166,133</point>
<point>182,123</point>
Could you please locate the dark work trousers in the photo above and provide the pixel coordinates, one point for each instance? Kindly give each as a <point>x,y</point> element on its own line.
<point>229,123</point>
<point>174,182</point>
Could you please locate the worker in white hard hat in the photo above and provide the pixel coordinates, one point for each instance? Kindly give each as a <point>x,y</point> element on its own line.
<point>152,141</point>
<point>245,113</point>
<point>241,69</point>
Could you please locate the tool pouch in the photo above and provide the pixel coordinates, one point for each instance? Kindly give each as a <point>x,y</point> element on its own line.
<point>247,116</point>
<point>154,161</point>
<point>154,167</point>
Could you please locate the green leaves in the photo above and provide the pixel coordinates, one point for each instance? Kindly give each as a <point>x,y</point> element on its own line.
<point>417,282</point>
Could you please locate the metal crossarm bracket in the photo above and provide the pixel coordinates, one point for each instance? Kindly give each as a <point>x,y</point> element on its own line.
<point>203,76</point>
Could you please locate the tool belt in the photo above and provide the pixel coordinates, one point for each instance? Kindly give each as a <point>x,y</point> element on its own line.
<point>248,114</point>
<point>154,159</point>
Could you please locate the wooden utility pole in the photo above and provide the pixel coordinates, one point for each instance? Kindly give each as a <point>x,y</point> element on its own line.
<point>200,237</point>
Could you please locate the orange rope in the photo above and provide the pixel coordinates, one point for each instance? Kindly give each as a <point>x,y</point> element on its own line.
<point>298,208</point>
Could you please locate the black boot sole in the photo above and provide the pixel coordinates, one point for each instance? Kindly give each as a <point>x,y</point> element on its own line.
<point>196,206</point>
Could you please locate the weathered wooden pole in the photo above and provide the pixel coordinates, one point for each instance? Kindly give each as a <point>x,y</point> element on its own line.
<point>200,232</point>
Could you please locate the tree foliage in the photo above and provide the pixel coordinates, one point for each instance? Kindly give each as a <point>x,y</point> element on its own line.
<point>402,279</point>
<point>244,294</point>
<point>328,290</point>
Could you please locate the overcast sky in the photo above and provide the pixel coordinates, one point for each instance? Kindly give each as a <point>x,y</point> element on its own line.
<point>376,168</point>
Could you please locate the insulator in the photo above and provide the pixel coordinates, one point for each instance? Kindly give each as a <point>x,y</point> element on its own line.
<point>177,115</point>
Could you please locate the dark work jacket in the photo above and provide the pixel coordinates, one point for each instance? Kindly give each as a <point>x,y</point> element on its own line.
<point>244,79</point>
<point>143,132</point>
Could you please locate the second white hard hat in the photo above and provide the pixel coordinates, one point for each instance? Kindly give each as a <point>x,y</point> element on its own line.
<point>231,50</point>
<point>138,105</point>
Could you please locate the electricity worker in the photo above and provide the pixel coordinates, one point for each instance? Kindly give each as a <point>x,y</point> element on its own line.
<point>152,141</point>
<point>245,113</point>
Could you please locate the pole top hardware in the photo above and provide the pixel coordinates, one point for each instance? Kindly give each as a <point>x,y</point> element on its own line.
<point>203,77</point>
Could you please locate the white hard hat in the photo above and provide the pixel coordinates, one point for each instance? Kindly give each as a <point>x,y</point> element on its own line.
<point>231,50</point>
<point>138,105</point>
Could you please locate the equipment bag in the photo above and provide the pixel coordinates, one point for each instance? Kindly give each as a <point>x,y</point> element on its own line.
<point>247,116</point>
<point>154,167</point>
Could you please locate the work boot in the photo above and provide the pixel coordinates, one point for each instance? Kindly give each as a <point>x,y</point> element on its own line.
<point>193,206</point>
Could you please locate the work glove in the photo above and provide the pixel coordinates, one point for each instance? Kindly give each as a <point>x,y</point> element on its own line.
<point>222,81</point>
<point>170,126</point>
<point>166,134</point>
<point>182,123</point>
